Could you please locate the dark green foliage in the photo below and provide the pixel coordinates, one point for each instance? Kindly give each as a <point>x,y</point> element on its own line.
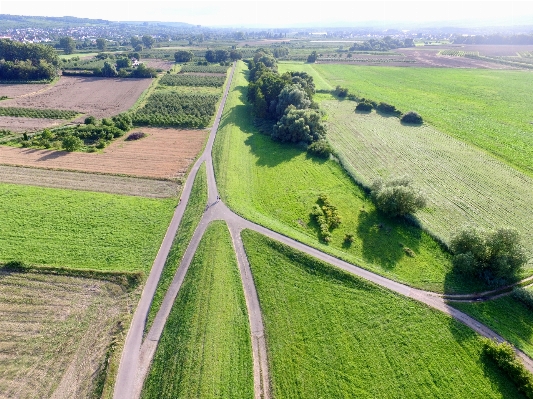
<point>183,56</point>
<point>122,121</point>
<point>176,109</point>
<point>397,197</point>
<point>123,63</point>
<point>524,295</point>
<point>235,55</point>
<point>142,71</point>
<point>279,52</point>
<point>38,113</point>
<point>299,125</point>
<point>204,68</point>
<point>192,80</point>
<point>491,255</point>
<point>109,70</point>
<point>364,107</point>
<point>27,62</point>
<point>412,117</point>
<point>385,44</point>
<point>148,41</point>
<point>349,239</point>
<point>387,109</point>
<point>291,95</point>
<point>504,356</point>
<point>101,44</point>
<point>67,44</point>
<point>320,148</point>
<point>340,91</point>
<point>71,143</point>
<point>90,120</point>
<point>326,216</point>
<point>312,57</point>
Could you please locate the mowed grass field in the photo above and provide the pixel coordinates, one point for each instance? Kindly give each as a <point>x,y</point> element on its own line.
<point>191,217</point>
<point>277,185</point>
<point>56,332</point>
<point>205,349</point>
<point>463,185</point>
<point>507,316</point>
<point>78,229</point>
<point>488,108</point>
<point>332,335</point>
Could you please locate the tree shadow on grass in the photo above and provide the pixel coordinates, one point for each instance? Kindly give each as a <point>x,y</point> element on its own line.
<point>385,241</point>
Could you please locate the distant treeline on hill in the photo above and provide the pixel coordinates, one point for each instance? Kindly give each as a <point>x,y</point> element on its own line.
<point>385,44</point>
<point>27,61</point>
<point>494,39</point>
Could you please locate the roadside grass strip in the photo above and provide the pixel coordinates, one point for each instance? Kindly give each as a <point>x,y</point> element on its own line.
<point>191,217</point>
<point>276,185</point>
<point>507,316</point>
<point>463,185</point>
<point>205,348</point>
<point>332,335</point>
<point>488,108</point>
<point>81,230</point>
<point>58,334</point>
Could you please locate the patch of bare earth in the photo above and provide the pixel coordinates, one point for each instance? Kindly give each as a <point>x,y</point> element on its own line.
<point>90,182</point>
<point>99,97</point>
<point>163,154</point>
<point>56,331</point>
<point>20,124</point>
<point>158,64</point>
<point>17,90</point>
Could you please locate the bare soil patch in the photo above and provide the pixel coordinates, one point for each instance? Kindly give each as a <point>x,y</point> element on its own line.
<point>99,97</point>
<point>17,90</point>
<point>163,154</point>
<point>492,50</point>
<point>55,333</point>
<point>89,182</point>
<point>20,124</point>
<point>158,64</point>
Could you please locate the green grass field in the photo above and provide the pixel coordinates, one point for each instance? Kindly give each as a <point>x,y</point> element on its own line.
<point>332,335</point>
<point>463,184</point>
<point>205,349</point>
<point>191,217</point>
<point>507,316</point>
<point>277,185</point>
<point>79,229</point>
<point>488,108</point>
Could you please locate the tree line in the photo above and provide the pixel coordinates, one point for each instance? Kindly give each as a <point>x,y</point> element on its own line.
<point>27,61</point>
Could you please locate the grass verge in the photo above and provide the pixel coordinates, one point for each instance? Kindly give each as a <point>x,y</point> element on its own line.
<point>332,335</point>
<point>205,349</point>
<point>191,218</point>
<point>81,230</point>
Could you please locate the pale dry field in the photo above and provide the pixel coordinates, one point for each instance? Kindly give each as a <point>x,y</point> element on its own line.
<point>164,154</point>
<point>89,182</point>
<point>99,97</point>
<point>56,331</point>
<point>18,90</point>
<point>21,124</point>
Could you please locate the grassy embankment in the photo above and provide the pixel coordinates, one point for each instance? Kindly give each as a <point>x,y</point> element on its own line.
<point>81,230</point>
<point>332,335</point>
<point>205,349</point>
<point>277,185</point>
<point>191,218</point>
<point>507,316</point>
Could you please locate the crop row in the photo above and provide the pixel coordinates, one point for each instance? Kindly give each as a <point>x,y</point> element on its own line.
<point>378,60</point>
<point>457,53</point>
<point>192,80</point>
<point>204,68</point>
<point>37,113</point>
<point>501,61</point>
<point>177,109</point>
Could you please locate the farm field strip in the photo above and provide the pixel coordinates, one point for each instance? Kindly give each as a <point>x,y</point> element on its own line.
<point>19,124</point>
<point>507,316</point>
<point>163,154</point>
<point>349,338</point>
<point>205,348</point>
<point>150,188</point>
<point>463,184</point>
<point>37,113</point>
<point>80,229</point>
<point>56,331</point>
<point>19,90</point>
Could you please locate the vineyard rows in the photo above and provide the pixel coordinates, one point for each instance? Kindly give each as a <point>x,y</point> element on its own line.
<point>377,60</point>
<point>37,113</point>
<point>456,53</point>
<point>177,110</point>
<point>204,68</point>
<point>463,184</point>
<point>192,80</point>
<point>503,61</point>
<point>526,54</point>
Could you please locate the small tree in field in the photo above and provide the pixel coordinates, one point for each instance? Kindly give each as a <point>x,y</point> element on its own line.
<point>397,197</point>
<point>412,117</point>
<point>71,143</point>
<point>183,56</point>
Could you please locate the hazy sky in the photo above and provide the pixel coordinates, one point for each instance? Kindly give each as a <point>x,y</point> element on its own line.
<point>274,13</point>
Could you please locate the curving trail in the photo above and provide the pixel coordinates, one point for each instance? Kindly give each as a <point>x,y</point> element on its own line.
<point>137,355</point>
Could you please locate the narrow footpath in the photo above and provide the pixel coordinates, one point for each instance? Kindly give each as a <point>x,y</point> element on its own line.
<point>137,355</point>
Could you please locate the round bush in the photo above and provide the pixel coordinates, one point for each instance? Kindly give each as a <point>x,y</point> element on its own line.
<point>135,136</point>
<point>365,107</point>
<point>412,117</point>
<point>90,120</point>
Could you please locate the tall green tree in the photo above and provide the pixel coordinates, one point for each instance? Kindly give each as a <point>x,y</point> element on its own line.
<point>101,44</point>
<point>67,44</point>
<point>148,41</point>
<point>183,56</point>
<point>135,41</point>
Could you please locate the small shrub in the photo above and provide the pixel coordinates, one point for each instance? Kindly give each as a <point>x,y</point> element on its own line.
<point>341,91</point>
<point>387,109</point>
<point>135,136</point>
<point>320,148</point>
<point>90,120</point>
<point>412,117</point>
<point>71,143</point>
<point>397,197</point>
<point>364,107</point>
<point>348,239</point>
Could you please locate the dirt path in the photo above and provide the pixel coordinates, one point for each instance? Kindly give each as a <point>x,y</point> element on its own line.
<point>137,356</point>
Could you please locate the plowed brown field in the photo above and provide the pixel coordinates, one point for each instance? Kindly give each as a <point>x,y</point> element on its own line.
<point>164,154</point>
<point>99,97</point>
<point>19,124</point>
<point>17,90</point>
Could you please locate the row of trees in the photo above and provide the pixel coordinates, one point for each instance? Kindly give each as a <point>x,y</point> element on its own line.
<point>284,100</point>
<point>27,61</point>
<point>385,44</point>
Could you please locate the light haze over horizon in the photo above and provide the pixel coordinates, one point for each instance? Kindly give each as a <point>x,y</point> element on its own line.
<point>281,13</point>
